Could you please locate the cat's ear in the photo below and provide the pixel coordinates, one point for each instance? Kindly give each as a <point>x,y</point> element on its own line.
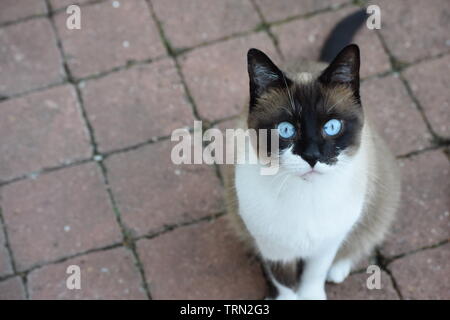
<point>344,69</point>
<point>264,74</point>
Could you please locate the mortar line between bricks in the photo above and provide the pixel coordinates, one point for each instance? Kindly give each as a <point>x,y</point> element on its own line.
<point>258,28</point>
<point>310,14</point>
<point>24,19</point>
<point>34,174</point>
<point>9,249</point>
<point>438,139</point>
<point>27,271</point>
<point>175,226</point>
<point>381,262</point>
<point>394,283</point>
<point>206,124</point>
<point>175,52</point>
<point>102,155</point>
<point>70,79</point>
<point>171,52</point>
<point>7,243</point>
<point>77,81</point>
<point>389,260</point>
<point>45,14</point>
<point>414,153</point>
<point>128,242</point>
<point>396,66</point>
<point>266,28</point>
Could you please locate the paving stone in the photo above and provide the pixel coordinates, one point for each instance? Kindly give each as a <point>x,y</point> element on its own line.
<point>415,31</point>
<point>12,289</point>
<point>5,262</point>
<point>424,275</point>
<point>135,105</point>
<point>109,37</point>
<point>58,214</point>
<point>104,275</point>
<point>11,10</point>
<point>203,261</point>
<point>29,56</point>
<point>423,219</point>
<point>279,10</point>
<point>355,288</point>
<point>394,114</point>
<point>152,192</point>
<point>429,82</point>
<point>217,75</point>
<point>41,130</point>
<point>304,38</point>
<point>189,23</point>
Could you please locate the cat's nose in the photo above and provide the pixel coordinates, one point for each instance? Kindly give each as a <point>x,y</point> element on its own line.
<point>311,155</point>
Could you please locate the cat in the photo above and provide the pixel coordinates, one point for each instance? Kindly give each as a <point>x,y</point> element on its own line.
<point>337,189</point>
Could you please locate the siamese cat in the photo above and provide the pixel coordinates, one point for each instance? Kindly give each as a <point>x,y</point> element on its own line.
<point>337,189</point>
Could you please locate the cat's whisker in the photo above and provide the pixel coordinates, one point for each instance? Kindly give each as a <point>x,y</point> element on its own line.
<point>291,100</point>
<point>281,187</point>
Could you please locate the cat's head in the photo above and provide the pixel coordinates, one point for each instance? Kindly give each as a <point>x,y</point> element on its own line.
<point>319,119</point>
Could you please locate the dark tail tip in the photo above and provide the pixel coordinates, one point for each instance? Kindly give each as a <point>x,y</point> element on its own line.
<point>342,35</point>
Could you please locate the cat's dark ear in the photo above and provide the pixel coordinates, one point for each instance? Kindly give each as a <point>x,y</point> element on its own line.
<point>344,69</point>
<point>264,74</point>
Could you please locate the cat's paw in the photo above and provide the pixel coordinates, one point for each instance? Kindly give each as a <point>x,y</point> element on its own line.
<point>339,271</point>
<point>316,294</point>
<point>286,294</point>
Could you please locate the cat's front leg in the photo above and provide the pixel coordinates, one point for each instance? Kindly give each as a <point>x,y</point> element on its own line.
<point>312,283</point>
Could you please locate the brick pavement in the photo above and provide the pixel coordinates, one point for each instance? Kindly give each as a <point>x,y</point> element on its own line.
<point>85,174</point>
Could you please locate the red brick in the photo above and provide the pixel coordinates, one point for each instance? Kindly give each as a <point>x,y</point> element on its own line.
<point>152,192</point>
<point>414,31</point>
<point>304,38</point>
<point>11,10</point>
<point>355,288</point>
<point>203,261</point>
<point>30,57</point>
<point>217,75</point>
<point>58,214</point>
<point>424,275</point>
<point>41,130</point>
<point>429,82</point>
<point>279,10</point>
<point>5,262</point>
<point>105,275</point>
<point>423,218</point>
<point>109,37</point>
<point>387,103</point>
<point>189,23</point>
<point>12,289</point>
<point>136,105</point>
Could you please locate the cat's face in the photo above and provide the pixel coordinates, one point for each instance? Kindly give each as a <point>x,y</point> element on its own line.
<point>319,121</point>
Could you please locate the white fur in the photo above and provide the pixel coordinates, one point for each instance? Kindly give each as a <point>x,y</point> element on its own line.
<point>307,217</point>
<point>339,271</point>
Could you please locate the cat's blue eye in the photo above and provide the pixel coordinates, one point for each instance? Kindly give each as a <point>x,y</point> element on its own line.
<point>286,130</point>
<point>332,127</point>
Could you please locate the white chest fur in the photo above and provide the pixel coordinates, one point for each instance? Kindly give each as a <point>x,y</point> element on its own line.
<point>290,217</point>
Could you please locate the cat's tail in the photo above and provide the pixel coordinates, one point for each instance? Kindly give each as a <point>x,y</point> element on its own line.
<point>342,35</point>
